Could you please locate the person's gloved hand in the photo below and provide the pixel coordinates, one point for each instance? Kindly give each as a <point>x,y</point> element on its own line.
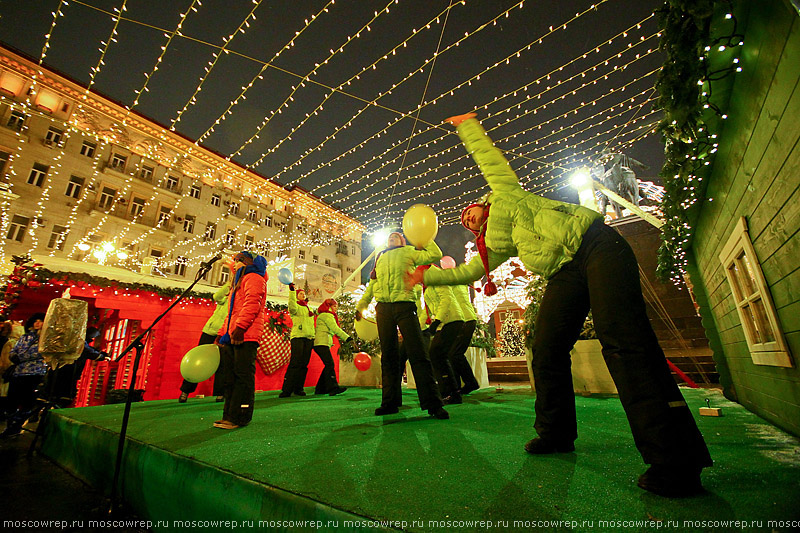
<point>216,340</point>
<point>14,359</point>
<point>237,336</point>
<point>414,277</point>
<point>435,325</point>
<point>458,119</point>
<point>291,287</point>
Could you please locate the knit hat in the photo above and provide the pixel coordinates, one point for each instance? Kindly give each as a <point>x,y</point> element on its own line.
<point>489,288</point>
<point>326,308</point>
<point>400,236</point>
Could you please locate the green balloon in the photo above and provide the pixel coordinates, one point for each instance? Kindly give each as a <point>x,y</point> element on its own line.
<point>200,363</point>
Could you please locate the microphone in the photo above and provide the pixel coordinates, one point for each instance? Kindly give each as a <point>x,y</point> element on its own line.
<point>207,264</point>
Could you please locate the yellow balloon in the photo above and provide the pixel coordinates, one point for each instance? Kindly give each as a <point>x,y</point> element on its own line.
<point>420,225</point>
<point>366,329</point>
<point>200,363</point>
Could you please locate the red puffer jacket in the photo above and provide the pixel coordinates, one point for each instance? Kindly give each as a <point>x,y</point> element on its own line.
<point>248,307</point>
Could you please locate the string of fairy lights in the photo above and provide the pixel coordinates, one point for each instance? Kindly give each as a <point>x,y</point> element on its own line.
<point>551,166</point>
<point>260,75</point>
<point>446,132</point>
<point>215,58</point>
<point>170,36</point>
<point>539,188</point>
<point>286,103</point>
<point>508,109</point>
<point>199,243</point>
<point>450,91</point>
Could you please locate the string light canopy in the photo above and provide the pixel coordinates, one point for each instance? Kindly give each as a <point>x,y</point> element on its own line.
<point>324,98</point>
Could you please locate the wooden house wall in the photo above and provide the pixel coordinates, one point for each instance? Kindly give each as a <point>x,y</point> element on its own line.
<point>756,174</point>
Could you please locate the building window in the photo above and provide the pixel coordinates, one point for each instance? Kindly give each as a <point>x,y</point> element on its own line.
<point>172,183</point>
<point>180,266</point>
<point>315,259</point>
<point>53,136</point>
<point>74,187</point>
<point>146,173</point>
<point>215,200</point>
<point>352,250</point>
<point>301,254</point>
<point>107,198</point>
<point>753,301</point>
<point>211,232</point>
<point>248,241</point>
<point>224,275</point>
<point>327,262</point>
<point>17,228</point>
<point>234,209</point>
<point>188,224</point>
<point>230,238</point>
<point>38,172</point>
<point>164,212</point>
<point>268,222</point>
<point>57,237</point>
<point>252,215</point>
<point>118,162</point>
<point>137,206</point>
<point>266,249</point>
<point>16,120</point>
<point>88,149</point>
<point>4,158</point>
<point>194,191</point>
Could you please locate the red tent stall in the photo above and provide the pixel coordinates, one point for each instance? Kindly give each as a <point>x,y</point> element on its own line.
<point>121,310</point>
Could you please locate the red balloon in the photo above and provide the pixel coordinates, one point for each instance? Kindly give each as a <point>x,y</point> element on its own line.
<point>362,361</point>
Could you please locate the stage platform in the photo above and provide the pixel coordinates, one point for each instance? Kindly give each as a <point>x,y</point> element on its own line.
<point>320,463</point>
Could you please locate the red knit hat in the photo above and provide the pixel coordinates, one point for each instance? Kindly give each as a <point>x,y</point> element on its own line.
<point>489,288</point>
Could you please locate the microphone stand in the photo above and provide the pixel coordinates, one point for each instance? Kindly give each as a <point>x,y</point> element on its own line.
<point>138,345</point>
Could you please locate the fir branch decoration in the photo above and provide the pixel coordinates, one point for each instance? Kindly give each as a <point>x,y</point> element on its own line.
<point>689,117</point>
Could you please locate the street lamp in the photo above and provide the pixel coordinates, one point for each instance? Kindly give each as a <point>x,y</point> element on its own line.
<point>582,181</point>
<point>379,237</point>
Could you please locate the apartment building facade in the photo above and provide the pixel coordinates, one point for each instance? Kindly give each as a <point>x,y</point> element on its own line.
<point>84,179</point>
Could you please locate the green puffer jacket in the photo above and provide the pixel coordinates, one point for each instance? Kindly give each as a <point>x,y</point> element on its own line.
<point>461,293</point>
<point>543,233</point>
<point>326,329</point>
<point>392,266</point>
<point>442,303</point>
<point>302,323</point>
<point>218,317</point>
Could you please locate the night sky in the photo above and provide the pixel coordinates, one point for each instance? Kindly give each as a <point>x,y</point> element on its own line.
<point>353,151</point>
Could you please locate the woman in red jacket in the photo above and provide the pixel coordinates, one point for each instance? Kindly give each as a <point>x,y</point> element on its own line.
<point>239,338</point>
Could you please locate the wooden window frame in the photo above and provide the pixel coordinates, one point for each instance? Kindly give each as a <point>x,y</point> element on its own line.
<point>770,352</point>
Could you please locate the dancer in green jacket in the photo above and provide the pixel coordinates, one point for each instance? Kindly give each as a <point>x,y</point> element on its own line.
<point>301,340</point>
<point>588,265</point>
<point>396,308</point>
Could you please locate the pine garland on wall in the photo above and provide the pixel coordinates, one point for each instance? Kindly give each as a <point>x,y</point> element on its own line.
<point>690,116</point>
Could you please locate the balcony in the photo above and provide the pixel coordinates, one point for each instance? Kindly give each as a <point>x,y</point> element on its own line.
<point>121,211</point>
<point>116,209</point>
<point>172,188</point>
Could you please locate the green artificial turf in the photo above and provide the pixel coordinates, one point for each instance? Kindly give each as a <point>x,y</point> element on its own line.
<point>409,467</point>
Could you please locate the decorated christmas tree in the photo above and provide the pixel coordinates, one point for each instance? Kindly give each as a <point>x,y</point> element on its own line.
<point>512,341</point>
